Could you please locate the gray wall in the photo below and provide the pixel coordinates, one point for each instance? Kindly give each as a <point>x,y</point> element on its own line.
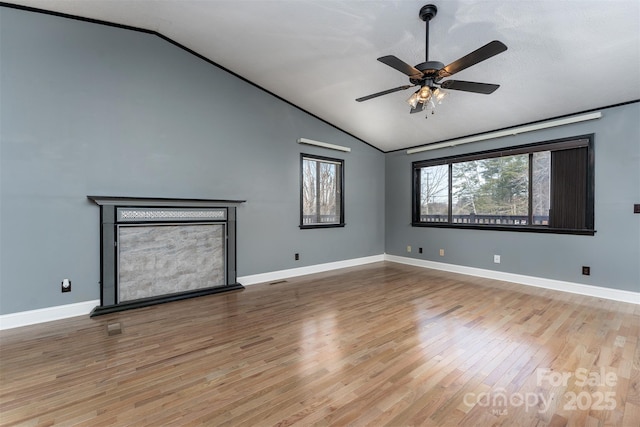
<point>613,253</point>
<point>89,109</point>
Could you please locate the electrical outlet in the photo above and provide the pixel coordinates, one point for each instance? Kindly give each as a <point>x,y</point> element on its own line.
<point>296,257</point>
<point>419,250</point>
<point>65,285</point>
<point>441,252</point>
<point>496,259</point>
<point>586,270</point>
<point>408,248</point>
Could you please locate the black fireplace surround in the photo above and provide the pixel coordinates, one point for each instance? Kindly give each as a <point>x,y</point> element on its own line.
<point>157,250</point>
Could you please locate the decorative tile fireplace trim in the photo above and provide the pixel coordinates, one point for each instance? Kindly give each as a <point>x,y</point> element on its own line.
<point>117,212</point>
<point>169,214</point>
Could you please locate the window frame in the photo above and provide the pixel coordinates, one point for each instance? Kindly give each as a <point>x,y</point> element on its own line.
<point>551,145</point>
<point>340,186</point>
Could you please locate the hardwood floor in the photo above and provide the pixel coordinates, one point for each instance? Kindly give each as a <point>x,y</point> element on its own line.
<point>380,344</point>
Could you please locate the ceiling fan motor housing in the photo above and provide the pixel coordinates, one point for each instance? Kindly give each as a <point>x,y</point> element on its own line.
<point>425,67</point>
<point>429,71</point>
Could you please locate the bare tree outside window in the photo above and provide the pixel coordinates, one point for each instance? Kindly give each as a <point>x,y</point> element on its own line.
<point>434,193</point>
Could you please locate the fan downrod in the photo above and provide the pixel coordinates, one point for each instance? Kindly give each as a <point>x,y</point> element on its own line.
<point>427,12</point>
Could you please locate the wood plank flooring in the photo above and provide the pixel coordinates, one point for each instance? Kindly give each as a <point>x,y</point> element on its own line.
<point>380,344</point>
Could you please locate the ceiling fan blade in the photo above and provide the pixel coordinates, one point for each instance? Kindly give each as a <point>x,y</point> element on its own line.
<point>485,52</point>
<point>384,92</point>
<point>485,88</point>
<point>400,65</point>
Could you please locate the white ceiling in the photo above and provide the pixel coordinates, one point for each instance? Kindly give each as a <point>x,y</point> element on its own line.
<point>563,57</point>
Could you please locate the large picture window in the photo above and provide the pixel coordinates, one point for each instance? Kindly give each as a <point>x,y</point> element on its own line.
<point>321,192</point>
<point>546,187</point>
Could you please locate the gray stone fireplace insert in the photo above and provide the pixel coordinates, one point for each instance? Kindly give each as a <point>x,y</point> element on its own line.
<point>155,250</point>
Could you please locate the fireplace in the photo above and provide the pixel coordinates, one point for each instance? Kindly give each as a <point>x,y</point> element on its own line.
<point>160,250</point>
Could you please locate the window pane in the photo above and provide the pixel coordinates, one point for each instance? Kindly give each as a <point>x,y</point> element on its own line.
<point>434,194</point>
<point>541,187</point>
<point>309,207</point>
<point>492,191</point>
<point>329,209</point>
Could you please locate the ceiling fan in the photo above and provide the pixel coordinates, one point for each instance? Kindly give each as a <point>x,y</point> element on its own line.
<point>428,74</point>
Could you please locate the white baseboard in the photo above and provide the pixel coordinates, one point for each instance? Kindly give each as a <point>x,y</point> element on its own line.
<point>556,285</point>
<point>301,271</point>
<point>31,317</point>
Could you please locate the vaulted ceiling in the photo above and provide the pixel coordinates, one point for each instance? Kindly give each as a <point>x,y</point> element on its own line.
<point>563,57</point>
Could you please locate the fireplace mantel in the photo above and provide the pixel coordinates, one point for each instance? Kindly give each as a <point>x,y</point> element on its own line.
<point>161,201</point>
<point>157,250</point>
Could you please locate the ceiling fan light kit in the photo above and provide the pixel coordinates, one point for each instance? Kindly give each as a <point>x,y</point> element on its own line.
<point>426,98</point>
<point>429,74</point>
